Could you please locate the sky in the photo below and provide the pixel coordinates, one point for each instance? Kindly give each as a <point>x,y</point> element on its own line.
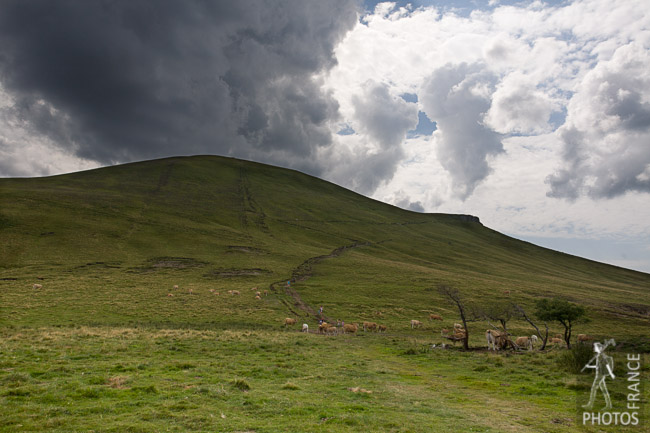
<point>532,115</point>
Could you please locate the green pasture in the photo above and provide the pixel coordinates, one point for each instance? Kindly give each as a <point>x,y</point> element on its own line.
<point>108,344</point>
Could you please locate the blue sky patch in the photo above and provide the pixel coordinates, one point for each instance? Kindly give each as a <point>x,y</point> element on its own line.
<point>425,126</point>
<point>409,97</point>
<point>346,131</point>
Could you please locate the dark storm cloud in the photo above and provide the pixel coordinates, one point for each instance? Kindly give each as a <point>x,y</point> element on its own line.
<point>119,80</point>
<point>457,97</point>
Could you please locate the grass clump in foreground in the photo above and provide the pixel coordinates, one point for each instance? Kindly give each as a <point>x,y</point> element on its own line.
<point>241,384</point>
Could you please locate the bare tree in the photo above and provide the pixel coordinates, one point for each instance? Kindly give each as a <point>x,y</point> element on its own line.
<point>453,295</point>
<point>527,318</point>
<point>500,312</point>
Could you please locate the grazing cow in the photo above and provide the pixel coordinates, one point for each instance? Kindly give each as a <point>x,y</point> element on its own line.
<point>415,324</point>
<point>333,330</point>
<point>171,295</point>
<point>305,327</point>
<point>528,342</point>
<point>350,328</point>
<point>506,292</point>
<point>583,338</point>
<point>212,290</point>
<point>458,327</point>
<point>559,341</point>
<point>288,321</point>
<point>435,317</point>
<point>190,291</point>
<point>257,297</point>
<point>322,328</point>
<point>235,292</point>
<point>37,286</point>
<point>559,336</point>
<point>175,286</point>
<point>381,328</point>
<point>266,292</point>
<point>372,326</point>
<point>258,293</point>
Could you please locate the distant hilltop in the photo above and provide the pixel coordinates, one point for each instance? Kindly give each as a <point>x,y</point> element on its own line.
<point>469,219</point>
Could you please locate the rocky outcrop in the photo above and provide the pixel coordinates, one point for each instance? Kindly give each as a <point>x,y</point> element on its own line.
<point>469,219</point>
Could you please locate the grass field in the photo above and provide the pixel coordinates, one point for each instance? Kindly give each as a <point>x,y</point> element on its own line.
<point>108,344</point>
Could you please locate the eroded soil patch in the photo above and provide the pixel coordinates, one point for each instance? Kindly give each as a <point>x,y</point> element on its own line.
<point>232,273</point>
<point>245,249</point>
<point>158,263</point>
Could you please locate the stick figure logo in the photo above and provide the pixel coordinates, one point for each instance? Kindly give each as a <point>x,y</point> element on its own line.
<point>603,366</point>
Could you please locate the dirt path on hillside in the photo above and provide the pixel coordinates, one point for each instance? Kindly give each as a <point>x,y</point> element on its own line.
<point>251,213</point>
<point>302,273</point>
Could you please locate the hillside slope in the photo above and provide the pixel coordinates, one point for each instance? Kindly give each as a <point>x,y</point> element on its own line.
<point>109,244</point>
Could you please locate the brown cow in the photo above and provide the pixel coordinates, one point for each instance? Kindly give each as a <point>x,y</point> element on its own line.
<point>372,326</point>
<point>583,338</point>
<point>528,342</point>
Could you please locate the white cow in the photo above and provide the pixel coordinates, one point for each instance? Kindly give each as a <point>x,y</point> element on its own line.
<point>491,337</point>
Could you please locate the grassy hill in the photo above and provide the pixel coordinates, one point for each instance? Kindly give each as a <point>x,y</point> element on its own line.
<point>132,232</point>
<point>109,245</point>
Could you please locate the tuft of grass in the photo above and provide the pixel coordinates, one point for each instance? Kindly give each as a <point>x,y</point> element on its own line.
<point>290,386</point>
<point>148,389</point>
<point>240,384</point>
<point>15,379</point>
<point>117,382</point>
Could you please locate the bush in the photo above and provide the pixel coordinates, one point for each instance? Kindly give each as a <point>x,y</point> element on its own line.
<point>576,358</point>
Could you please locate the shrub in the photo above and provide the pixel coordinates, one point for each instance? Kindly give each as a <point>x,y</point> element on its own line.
<point>576,358</point>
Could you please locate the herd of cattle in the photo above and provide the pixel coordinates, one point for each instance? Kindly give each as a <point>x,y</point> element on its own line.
<point>496,340</point>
